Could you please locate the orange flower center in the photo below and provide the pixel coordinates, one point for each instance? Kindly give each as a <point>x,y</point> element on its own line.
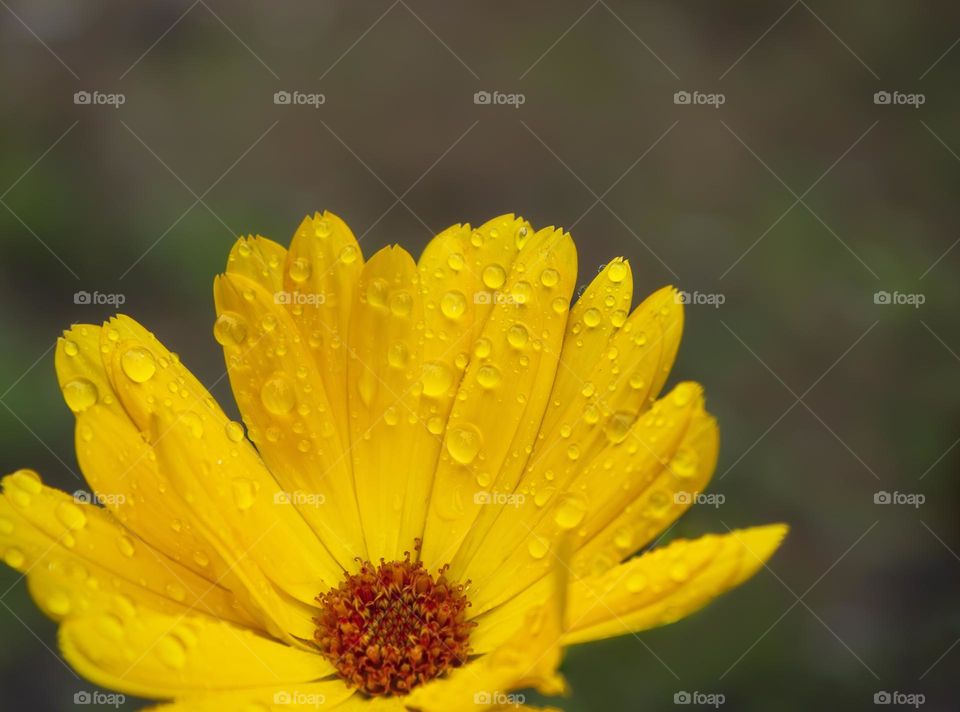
<point>392,627</point>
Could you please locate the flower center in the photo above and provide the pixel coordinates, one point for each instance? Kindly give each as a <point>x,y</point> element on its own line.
<point>391,627</point>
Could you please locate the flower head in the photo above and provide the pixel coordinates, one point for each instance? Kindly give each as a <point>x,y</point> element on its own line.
<point>444,472</point>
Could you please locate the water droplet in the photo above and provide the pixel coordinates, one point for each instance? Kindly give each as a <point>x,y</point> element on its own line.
<point>591,317</point>
<point>618,318</point>
<point>463,443</point>
<point>201,559</point>
<point>560,305</point>
<point>482,348</point>
<point>398,355</point>
<point>618,426</point>
<point>636,582</point>
<point>138,364</point>
<point>79,394</point>
<point>234,431</point>
<point>437,379</point>
<point>377,292</point>
<point>494,276</point>
<point>244,492</point>
<point>571,509</point>
<point>268,323</point>
<point>70,348</point>
<point>518,336</point>
<point>176,592</point>
<point>58,603</point>
<point>14,558</point>
<point>453,304</point>
<point>278,394</point>
<point>488,376</point>
<point>573,452</point>
<point>537,546</point>
<point>230,329</point>
<point>522,292</point>
<point>617,271</point>
<point>391,416</point>
<point>125,544</point>
<point>71,516</point>
<point>193,422</point>
<point>623,538</point>
<point>300,270</point>
<point>549,277</point>
<point>322,228</point>
<point>435,425</point>
<point>348,255</point>
<point>171,652</point>
<point>455,261</point>
<point>401,304</point>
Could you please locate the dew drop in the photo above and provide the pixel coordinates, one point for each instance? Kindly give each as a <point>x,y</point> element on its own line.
<point>537,546</point>
<point>617,272</point>
<point>348,255</point>
<point>14,558</point>
<point>549,277</point>
<point>138,364</point>
<point>398,355</point>
<point>125,544</point>
<point>401,304</point>
<point>455,261</point>
<point>58,603</point>
<point>278,394</point>
<point>234,431</point>
<point>70,348</point>
<point>300,270</point>
<point>79,394</point>
<point>488,376</point>
<point>482,348</point>
<point>618,426</point>
<point>518,336</point>
<point>437,379</point>
<point>571,509</point>
<point>494,276</point>
<point>244,492</point>
<point>230,329</point>
<point>322,228</point>
<point>71,516</point>
<point>171,653</point>
<point>591,317</point>
<point>453,304</point>
<point>463,443</point>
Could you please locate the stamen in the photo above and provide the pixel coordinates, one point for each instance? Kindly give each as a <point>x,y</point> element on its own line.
<point>390,628</point>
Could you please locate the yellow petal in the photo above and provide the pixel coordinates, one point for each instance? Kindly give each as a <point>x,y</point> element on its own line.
<point>598,313</point>
<point>518,549</point>
<point>530,657</point>
<point>158,655</point>
<point>78,558</point>
<point>500,403</point>
<point>666,584</point>
<point>259,260</point>
<point>660,503</point>
<point>386,379</point>
<point>320,283</point>
<point>117,462</point>
<point>283,400</point>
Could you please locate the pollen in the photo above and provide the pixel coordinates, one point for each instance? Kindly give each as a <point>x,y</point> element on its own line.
<point>391,627</point>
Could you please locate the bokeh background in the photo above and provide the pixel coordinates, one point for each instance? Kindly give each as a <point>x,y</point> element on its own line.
<point>795,200</point>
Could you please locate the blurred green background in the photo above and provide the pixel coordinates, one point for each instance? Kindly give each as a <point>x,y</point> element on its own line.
<point>796,200</point>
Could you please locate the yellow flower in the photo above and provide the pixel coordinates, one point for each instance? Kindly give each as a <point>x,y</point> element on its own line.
<point>447,472</point>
